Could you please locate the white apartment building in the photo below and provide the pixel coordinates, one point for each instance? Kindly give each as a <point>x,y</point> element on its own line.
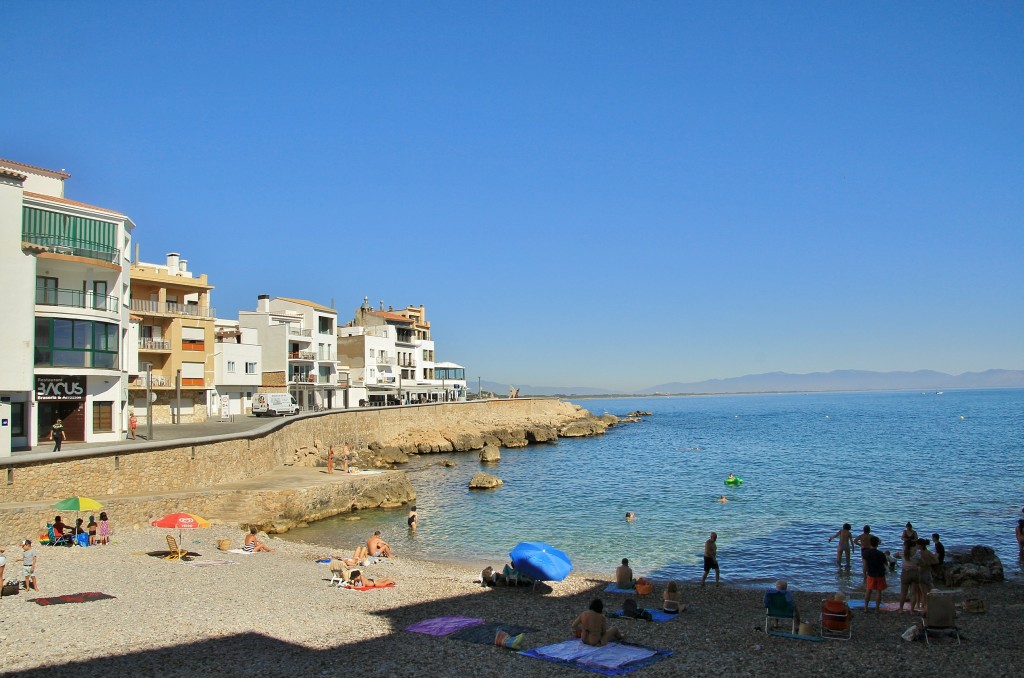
<point>237,362</point>
<point>391,359</point>
<point>68,335</point>
<point>299,350</point>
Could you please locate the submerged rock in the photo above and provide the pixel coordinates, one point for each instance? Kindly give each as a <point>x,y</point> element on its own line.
<point>971,566</point>
<point>490,454</point>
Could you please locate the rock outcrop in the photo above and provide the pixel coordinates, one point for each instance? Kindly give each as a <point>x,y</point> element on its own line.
<point>583,427</point>
<point>970,566</point>
<point>484,481</point>
<point>490,454</point>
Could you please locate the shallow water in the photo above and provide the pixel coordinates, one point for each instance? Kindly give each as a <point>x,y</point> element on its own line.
<point>950,463</point>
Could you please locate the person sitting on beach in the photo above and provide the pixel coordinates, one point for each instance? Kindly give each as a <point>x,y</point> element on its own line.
<point>845,537</point>
<point>592,628</point>
<point>378,547</point>
<point>79,527</point>
<point>782,586</point>
<point>624,575</point>
<point>359,581</point>
<point>60,528</point>
<point>358,558</point>
<point>91,527</point>
<point>253,545</point>
<point>671,600</point>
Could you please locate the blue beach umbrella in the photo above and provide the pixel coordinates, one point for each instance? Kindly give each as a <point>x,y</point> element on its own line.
<point>540,561</point>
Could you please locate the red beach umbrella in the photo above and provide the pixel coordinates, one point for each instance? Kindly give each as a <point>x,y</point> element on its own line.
<point>180,521</point>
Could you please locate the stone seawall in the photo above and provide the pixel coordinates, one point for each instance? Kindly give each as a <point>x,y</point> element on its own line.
<point>178,465</point>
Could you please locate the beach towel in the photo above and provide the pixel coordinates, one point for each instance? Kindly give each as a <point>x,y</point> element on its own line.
<point>613,588</point>
<point>795,636</point>
<point>443,626</point>
<point>368,588</point>
<point>613,659</point>
<point>656,615</point>
<point>483,634</point>
<point>240,552</point>
<point>71,598</point>
<point>858,604</point>
<point>210,563</point>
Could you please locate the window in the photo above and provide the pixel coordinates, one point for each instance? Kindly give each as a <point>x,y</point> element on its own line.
<point>46,290</point>
<point>231,367</point>
<point>99,296</point>
<point>250,368</point>
<point>102,417</point>
<point>17,419</point>
<point>326,325</point>
<point>192,339</point>
<point>371,352</point>
<point>193,374</point>
<point>76,343</point>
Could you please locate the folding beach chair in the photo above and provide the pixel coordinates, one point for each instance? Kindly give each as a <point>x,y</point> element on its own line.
<point>62,540</point>
<point>339,573</point>
<point>174,553</point>
<point>836,621</point>
<point>778,608</point>
<point>940,618</point>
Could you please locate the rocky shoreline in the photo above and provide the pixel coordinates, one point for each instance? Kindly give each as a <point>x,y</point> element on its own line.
<point>274,614</point>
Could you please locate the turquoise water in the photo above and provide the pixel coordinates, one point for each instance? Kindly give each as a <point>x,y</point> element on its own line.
<point>951,463</point>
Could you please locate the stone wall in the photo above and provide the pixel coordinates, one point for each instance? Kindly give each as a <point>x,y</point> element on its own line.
<point>173,466</point>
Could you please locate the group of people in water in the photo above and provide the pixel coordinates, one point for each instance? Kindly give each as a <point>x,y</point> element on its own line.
<point>919,565</point>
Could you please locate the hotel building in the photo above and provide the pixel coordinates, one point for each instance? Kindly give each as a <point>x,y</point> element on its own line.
<point>66,275</point>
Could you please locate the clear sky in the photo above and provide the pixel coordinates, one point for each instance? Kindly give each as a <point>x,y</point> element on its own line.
<point>614,194</point>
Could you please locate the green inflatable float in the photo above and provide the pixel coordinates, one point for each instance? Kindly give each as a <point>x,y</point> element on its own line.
<point>734,481</point>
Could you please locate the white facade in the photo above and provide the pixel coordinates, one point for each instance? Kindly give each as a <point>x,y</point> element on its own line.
<point>299,350</point>
<point>70,261</point>
<point>237,368</point>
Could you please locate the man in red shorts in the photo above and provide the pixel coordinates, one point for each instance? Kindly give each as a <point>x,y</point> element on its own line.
<point>874,567</point>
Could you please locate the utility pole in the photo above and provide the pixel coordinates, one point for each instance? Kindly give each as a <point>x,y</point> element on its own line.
<point>479,389</point>
<point>177,397</point>
<point>149,402</point>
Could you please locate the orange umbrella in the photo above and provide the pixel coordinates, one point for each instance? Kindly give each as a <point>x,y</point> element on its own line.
<point>180,521</point>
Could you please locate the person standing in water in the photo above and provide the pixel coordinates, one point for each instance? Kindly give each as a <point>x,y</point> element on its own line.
<point>413,518</point>
<point>711,558</point>
<point>845,538</point>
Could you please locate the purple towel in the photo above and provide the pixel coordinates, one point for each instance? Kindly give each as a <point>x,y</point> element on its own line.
<point>443,626</point>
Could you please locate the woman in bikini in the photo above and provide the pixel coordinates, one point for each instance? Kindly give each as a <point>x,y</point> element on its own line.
<point>359,581</point>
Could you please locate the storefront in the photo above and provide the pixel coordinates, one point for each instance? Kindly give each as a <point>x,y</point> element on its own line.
<point>90,407</point>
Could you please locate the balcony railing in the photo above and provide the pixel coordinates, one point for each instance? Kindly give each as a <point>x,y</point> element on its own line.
<point>172,308</point>
<point>299,332</point>
<point>326,356</point>
<point>302,355</point>
<point>154,345</point>
<point>385,360</point>
<point>407,363</point>
<point>74,247</point>
<point>159,381</point>
<point>76,299</point>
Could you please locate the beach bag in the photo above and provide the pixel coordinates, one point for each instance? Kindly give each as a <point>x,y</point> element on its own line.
<point>975,605</point>
<point>915,632</point>
<point>504,639</point>
<point>11,588</point>
<point>644,587</point>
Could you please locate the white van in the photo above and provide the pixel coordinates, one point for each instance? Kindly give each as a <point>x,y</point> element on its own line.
<point>274,404</point>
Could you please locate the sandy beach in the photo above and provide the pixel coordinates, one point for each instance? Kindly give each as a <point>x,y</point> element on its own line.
<point>274,614</point>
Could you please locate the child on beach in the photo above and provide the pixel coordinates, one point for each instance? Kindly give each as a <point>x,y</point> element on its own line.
<point>29,559</point>
<point>103,532</point>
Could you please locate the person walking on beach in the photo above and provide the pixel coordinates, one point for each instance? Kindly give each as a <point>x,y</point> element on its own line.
<point>330,459</point>
<point>711,558</point>
<point>874,568</point>
<point>29,560</point>
<point>57,435</point>
<point>845,537</point>
<point>345,456</point>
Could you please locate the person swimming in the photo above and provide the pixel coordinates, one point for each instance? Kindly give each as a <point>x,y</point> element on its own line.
<point>630,516</point>
<point>722,499</point>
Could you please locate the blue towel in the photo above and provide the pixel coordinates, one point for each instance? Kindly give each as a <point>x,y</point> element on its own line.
<point>613,588</point>
<point>656,615</point>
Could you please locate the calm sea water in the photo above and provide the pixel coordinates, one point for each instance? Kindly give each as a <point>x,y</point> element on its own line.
<point>951,463</point>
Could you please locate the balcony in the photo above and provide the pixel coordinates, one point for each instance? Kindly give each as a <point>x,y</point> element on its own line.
<point>74,247</point>
<point>154,345</point>
<point>146,307</point>
<point>299,332</point>
<point>407,363</point>
<point>161,381</point>
<point>302,355</point>
<point>386,361</point>
<point>76,299</point>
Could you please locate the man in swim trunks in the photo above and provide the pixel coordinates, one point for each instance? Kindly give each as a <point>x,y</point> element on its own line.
<point>710,558</point>
<point>624,575</point>
<point>863,540</point>
<point>377,546</point>
<point>874,572</point>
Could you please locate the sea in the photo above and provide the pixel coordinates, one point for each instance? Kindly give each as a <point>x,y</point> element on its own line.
<point>949,462</point>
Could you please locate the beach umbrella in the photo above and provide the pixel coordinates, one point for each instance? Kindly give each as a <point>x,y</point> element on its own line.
<point>540,561</point>
<point>78,504</point>
<point>179,522</point>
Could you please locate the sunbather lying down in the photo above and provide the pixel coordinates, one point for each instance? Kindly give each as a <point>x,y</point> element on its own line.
<point>358,580</point>
<point>357,559</point>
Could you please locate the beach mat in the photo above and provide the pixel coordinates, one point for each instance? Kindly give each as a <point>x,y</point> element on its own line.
<point>613,659</point>
<point>240,552</point>
<point>210,563</point>
<point>443,626</point>
<point>795,636</point>
<point>483,634</point>
<point>612,588</point>
<point>165,553</point>
<point>656,615</point>
<point>368,588</point>
<point>72,598</point>
<point>858,604</point>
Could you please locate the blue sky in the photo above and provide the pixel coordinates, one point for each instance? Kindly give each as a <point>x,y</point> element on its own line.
<point>614,194</point>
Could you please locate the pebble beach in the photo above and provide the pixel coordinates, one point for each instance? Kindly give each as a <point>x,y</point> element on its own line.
<point>275,614</point>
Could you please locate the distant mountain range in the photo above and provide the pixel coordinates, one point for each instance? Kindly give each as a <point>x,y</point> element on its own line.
<point>775,382</point>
